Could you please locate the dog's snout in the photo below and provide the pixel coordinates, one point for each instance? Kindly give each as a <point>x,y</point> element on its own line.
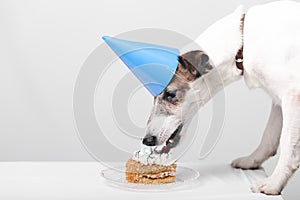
<point>150,140</point>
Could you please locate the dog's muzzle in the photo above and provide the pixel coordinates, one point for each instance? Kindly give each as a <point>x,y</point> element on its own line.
<point>172,141</point>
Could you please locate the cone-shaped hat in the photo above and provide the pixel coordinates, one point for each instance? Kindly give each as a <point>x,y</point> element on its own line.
<point>153,65</point>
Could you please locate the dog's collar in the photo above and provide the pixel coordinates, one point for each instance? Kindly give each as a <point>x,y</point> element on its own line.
<point>239,59</point>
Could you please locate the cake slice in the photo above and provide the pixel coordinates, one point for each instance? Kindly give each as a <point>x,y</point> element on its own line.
<point>136,172</point>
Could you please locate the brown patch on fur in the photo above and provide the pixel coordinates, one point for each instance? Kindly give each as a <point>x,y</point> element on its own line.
<point>169,101</point>
<point>196,63</point>
<point>191,66</point>
<point>184,73</point>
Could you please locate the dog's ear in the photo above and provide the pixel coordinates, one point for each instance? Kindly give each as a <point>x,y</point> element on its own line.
<point>195,62</point>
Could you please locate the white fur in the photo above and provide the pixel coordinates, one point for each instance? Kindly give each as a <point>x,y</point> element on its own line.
<point>163,125</point>
<point>221,41</point>
<point>271,62</point>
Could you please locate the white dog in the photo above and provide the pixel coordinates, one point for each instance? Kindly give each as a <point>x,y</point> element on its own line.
<point>268,38</point>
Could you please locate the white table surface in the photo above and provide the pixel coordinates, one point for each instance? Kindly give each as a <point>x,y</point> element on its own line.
<point>82,180</point>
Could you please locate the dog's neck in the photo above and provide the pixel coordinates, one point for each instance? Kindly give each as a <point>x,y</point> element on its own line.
<point>221,41</point>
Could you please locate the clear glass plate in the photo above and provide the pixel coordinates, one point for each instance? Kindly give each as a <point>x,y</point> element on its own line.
<point>185,178</point>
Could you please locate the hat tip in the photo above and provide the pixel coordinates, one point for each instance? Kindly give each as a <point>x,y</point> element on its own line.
<point>105,38</point>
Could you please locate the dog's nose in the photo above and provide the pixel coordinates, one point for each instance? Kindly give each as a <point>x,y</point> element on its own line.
<point>149,140</point>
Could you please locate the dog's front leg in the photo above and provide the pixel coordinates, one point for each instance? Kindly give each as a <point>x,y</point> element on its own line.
<point>289,159</point>
<point>268,145</point>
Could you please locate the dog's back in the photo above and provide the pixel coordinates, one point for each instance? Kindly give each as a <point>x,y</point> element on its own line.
<point>272,45</point>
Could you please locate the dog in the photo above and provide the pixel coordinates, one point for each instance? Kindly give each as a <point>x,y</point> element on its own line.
<point>262,46</point>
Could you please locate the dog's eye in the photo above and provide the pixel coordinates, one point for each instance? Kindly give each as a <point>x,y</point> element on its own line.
<point>194,71</point>
<point>170,96</point>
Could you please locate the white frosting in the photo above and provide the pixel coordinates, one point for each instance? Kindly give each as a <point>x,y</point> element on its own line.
<point>151,155</point>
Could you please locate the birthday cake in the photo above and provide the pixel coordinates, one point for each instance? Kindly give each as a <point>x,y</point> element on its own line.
<point>137,172</point>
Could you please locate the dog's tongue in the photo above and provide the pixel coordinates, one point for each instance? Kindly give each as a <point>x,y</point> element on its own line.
<point>165,149</point>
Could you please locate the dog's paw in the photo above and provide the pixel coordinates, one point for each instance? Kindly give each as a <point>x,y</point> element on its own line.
<point>245,163</point>
<point>267,186</point>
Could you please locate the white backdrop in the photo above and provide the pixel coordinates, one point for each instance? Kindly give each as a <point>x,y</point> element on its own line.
<point>43,45</point>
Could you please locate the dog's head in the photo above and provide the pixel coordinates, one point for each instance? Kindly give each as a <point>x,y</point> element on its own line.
<point>174,108</point>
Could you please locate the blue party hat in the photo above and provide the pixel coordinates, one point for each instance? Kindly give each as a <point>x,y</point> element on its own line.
<point>153,65</point>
